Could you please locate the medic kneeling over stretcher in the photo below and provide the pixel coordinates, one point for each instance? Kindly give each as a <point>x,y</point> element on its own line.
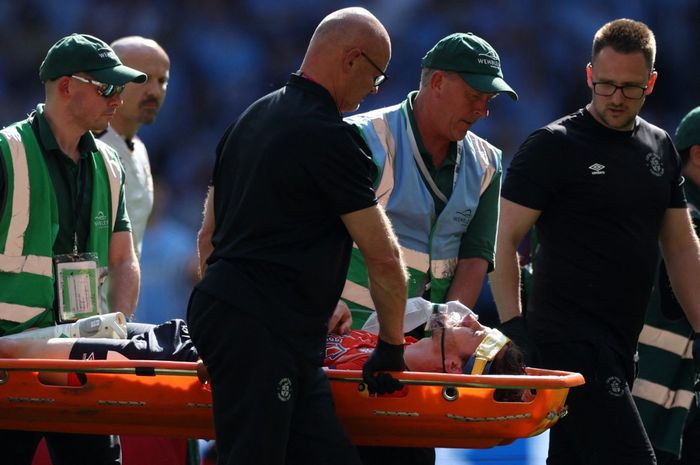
<point>458,343</point>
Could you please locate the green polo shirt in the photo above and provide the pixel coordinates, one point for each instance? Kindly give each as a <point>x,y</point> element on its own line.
<point>72,183</point>
<point>481,232</point>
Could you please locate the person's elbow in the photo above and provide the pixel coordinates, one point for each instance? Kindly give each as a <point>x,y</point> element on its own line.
<point>204,236</point>
<point>387,264</point>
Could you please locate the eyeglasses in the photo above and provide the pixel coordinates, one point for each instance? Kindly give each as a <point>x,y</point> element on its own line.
<point>105,90</point>
<point>606,89</point>
<point>382,76</point>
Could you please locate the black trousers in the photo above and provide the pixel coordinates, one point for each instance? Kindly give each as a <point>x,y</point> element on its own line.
<point>270,405</point>
<point>19,447</point>
<point>378,455</point>
<point>603,425</point>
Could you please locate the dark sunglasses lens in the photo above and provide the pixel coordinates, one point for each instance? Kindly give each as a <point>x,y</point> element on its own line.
<point>108,90</point>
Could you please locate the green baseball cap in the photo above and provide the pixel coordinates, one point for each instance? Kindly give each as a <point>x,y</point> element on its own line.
<point>472,58</point>
<point>84,53</point>
<point>688,132</point>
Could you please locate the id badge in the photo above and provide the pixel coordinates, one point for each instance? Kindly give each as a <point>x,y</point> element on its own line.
<point>77,285</point>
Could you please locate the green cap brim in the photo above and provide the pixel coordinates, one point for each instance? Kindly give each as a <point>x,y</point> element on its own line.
<point>487,83</point>
<point>118,75</point>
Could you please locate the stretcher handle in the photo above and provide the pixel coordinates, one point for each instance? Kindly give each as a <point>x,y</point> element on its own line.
<point>138,367</point>
<point>536,378</point>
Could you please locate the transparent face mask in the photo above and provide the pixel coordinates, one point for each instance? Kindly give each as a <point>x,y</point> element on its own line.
<point>449,315</point>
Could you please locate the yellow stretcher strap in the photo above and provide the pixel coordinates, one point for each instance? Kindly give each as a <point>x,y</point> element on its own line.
<point>488,349</point>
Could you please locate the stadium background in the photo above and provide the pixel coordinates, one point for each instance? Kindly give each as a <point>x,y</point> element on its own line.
<point>225,54</point>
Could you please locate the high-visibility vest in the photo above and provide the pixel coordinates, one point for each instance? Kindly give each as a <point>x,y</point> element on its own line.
<point>29,226</point>
<point>430,244</point>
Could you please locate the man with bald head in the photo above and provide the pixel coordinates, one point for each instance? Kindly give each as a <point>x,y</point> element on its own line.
<point>140,105</point>
<point>291,191</point>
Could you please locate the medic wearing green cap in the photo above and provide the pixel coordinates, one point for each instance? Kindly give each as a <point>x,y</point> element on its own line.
<point>663,390</point>
<point>63,224</point>
<point>439,182</point>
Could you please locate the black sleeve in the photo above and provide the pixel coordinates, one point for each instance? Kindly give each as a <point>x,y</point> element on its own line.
<point>344,172</point>
<point>219,150</point>
<point>536,173</point>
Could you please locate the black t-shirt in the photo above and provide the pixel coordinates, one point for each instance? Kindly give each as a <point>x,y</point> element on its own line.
<point>603,194</point>
<point>285,172</point>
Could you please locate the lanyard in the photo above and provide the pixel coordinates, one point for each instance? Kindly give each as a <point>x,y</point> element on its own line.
<point>424,169</point>
<point>77,201</point>
<point>82,173</point>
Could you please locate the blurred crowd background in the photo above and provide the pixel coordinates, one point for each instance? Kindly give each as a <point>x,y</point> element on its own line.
<point>227,53</point>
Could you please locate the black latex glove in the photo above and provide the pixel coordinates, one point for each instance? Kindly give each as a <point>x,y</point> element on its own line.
<point>516,331</point>
<point>385,357</point>
<point>696,362</point>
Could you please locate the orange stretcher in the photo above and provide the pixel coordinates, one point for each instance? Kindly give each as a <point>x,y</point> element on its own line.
<point>167,399</point>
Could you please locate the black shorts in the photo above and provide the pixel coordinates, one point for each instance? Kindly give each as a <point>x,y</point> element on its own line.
<point>168,341</point>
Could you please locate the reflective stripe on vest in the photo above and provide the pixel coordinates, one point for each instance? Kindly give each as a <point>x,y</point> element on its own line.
<point>114,174</point>
<point>12,258</point>
<point>20,211</point>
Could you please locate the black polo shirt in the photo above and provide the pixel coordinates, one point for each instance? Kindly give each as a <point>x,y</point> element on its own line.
<point>285,172</point>
<point>603,195</point>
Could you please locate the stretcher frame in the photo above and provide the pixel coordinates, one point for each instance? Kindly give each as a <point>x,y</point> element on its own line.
<point>167,399</point>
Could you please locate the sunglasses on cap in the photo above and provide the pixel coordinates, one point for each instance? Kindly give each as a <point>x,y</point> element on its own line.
<point>482,358</point>
<point>105,90</point>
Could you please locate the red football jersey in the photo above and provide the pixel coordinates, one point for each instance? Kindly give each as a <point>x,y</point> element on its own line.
<point>352,351</point>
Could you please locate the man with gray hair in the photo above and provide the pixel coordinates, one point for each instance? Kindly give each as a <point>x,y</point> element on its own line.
<point>439,183</point>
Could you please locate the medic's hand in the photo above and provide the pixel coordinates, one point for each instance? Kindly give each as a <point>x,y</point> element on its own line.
<point>696,362</point>
<point>516,331</point>
<point>385,357</point>
<point>341,320</point>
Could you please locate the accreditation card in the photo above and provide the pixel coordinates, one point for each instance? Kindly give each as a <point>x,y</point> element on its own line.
<point>77,286</point>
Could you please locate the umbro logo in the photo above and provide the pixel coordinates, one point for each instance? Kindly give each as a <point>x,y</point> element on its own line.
<point>597,168</point>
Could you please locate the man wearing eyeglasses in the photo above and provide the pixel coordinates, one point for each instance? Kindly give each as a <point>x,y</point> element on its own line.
<point>63,224</point>
<point>603,188</point>
<point>439,183</point>
<point>291,191</point>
